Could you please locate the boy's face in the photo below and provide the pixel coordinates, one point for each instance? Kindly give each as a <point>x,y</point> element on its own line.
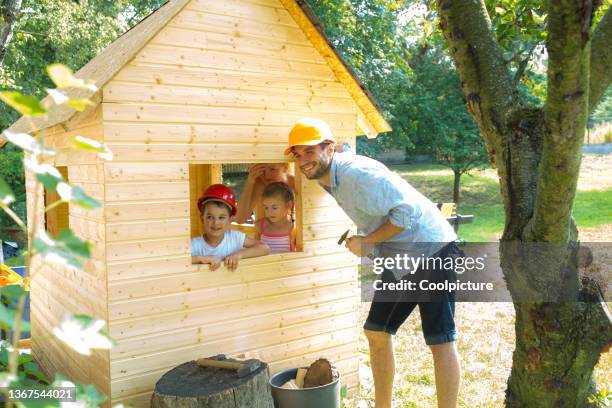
<point>216,218</point>
<point>276,209</point>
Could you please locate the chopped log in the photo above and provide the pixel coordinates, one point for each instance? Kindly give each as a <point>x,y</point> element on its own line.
<point>321,372</point>
<point>189,385</point>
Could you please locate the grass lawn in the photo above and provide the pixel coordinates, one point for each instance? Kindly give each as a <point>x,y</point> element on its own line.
<point>480,197</point>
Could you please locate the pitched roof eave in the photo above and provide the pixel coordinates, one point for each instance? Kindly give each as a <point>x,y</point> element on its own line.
<point>305,17</point>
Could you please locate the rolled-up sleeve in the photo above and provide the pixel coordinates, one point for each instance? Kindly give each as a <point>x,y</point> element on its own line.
<point>380,196</point>
<point>402,216</point>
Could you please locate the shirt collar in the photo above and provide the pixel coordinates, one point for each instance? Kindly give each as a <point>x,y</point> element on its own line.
<point>332,174</point>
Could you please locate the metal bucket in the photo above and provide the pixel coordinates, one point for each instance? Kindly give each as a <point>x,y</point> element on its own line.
<point>325,396</point>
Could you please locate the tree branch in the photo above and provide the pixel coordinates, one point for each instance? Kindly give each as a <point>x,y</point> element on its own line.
<point>9,13</point>
<point>486,81</point>
<point>601,59</point>
<point>523,65</point>
<point>565,116</point>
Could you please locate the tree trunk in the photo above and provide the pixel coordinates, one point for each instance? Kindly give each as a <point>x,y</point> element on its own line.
<point>189,385</point>
<point>9,13</point>
<point>558,337</point>
<point>456,186</point>
<point>562,325</point>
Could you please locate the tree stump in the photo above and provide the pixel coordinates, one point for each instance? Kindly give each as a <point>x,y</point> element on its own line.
<point>189,385</point>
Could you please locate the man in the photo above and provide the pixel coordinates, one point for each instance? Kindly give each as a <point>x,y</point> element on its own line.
<point>391,215</point>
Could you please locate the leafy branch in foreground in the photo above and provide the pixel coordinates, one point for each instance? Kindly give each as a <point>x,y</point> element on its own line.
<point>82,333</point>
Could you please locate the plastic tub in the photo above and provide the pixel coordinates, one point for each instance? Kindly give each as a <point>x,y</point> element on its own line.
<point>325,396</point>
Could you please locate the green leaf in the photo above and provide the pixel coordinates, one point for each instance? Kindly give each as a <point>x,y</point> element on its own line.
<point>500,10</point>
<point>32,369</point>
<point>75,244</point>
<point>90,395</point>
<point>4,353</point>
<point>25,358</point>
<point>63,77</point>
<point>26,105</point>
<point>540,19</point>
<point>12,292</point>
<point>87,394</point>
<point>7,319</point>
<point>27,143</point>
<point>83,333</point>
<point>93,145</point>
<point>48,175</point>
<point>76,195</point>
<point>6,194</point>
<point>79,104</point>
<point>58,96</point>
<point>67,248</point>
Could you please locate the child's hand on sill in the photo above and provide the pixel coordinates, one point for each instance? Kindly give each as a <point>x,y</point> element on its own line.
<point>231,261</point>
<point>213,261</point>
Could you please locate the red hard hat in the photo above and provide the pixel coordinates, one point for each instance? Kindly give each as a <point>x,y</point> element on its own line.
<point>219,192</point>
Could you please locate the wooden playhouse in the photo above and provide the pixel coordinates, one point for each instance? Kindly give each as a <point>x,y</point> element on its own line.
<point>195,85</point>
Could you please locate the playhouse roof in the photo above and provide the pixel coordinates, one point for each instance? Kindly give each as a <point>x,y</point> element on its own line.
<point>102,68</point>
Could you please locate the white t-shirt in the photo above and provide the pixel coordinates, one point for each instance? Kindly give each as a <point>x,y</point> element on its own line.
<point>232,241</point>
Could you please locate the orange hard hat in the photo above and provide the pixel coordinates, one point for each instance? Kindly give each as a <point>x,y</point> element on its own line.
<point>309,132</point>
<point>220,193</point>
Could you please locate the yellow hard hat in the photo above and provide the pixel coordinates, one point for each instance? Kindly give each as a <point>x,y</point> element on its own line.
<point>309,132</point>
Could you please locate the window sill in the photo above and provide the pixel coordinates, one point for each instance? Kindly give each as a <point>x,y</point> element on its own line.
<point>257,261</point>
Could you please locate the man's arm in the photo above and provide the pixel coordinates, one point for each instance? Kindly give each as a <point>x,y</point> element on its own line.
<point>385,232</point>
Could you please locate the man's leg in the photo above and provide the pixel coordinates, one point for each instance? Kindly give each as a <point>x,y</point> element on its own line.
<point>387,313</point>
<point>383,366</point>
<point>448,373</point>
<point>437,319</point>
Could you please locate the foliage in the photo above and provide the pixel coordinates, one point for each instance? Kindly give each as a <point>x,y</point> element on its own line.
<point>82,333</point>
<point>29,372</point>
<point>443,127</point>
<point>520,27</point>
<point>46,32</point>
<point>369,35</point>
<point>11,170</point>
<point>395,49</point>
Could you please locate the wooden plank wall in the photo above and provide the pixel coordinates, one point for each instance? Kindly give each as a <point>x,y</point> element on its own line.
<point>57,290</point>
<point>224,83</point>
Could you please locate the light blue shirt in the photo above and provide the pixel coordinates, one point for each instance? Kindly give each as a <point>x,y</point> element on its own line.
<point>371,194</point>
<point>232,241</point>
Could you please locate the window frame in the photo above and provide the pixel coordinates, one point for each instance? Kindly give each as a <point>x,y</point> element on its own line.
<point>213,175</point>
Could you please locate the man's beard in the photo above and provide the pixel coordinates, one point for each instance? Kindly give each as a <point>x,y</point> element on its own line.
<point>322,165</point>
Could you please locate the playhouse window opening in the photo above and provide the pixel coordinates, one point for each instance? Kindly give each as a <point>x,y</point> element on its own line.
<point>57,218</point>
<point>235,175</point>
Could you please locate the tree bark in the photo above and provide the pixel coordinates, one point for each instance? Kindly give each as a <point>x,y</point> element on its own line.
<point>9,13</point>
<point>601,60</point>
<point>561,328</point>
<point>456,186</point>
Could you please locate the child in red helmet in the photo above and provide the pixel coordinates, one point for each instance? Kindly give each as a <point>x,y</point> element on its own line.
<point>219,244</point>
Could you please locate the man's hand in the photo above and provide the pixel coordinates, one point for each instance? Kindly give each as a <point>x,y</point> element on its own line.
<point>231,261</point>
<point>354,244</point>
<point>215,263</point>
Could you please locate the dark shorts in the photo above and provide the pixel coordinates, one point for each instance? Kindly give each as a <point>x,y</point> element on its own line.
<point>437,317</point>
